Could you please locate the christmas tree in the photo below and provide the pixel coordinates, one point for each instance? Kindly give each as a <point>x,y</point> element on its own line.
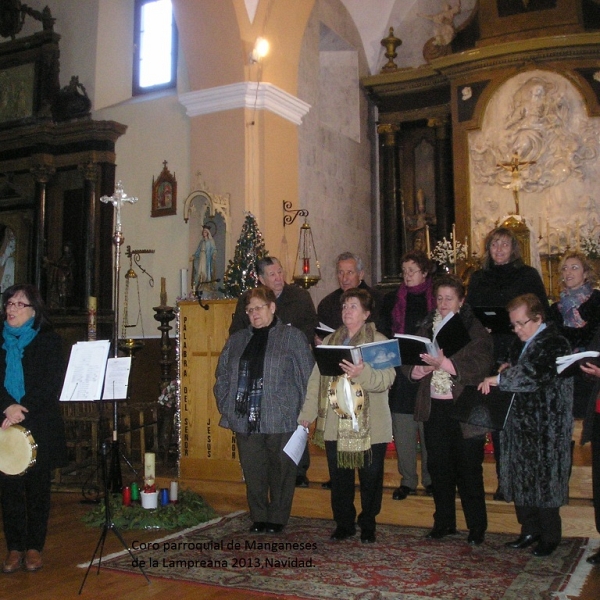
<point>241,274</point>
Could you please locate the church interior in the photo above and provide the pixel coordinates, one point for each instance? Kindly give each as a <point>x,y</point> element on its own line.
<point>385,126</point>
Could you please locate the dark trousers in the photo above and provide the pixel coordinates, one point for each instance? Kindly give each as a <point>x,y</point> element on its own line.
<point>454,463</point>
<point>370,477</point>
<point>544,522</point>
<point>596,469</point>
<point>304,463</point>
<point>26,508</point>
<point>270,476</point>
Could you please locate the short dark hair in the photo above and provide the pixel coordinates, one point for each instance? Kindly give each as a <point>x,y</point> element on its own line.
<point>420,258</point>
<point>33,297</point>
<point>532,303</point>
<point>262,292</point>
<point>264,262</point>
<point>363,296</point>
<point>451,281</point>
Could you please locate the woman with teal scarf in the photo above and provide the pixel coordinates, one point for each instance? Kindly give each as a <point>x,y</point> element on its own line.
<point>31,372</point>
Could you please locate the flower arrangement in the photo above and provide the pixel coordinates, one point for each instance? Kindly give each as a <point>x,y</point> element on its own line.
<point>590,244</point>
<point>446,253</point>
<point>168,395</point>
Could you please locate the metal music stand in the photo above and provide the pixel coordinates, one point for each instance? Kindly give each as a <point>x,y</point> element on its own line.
<point>107,526</point>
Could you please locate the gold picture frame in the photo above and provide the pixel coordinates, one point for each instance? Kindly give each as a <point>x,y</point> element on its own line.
<point>164,193</point>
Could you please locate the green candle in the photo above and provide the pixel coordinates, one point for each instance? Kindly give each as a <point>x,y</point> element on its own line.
<point>135,492</point>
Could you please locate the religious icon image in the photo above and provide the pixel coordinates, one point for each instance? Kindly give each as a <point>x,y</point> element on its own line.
<point>164,193</point>
<point>203,259</point>
<point>7,258</point>
<point>62,278</point>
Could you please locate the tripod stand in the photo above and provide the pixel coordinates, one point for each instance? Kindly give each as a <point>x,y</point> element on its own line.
<point>107,526</point>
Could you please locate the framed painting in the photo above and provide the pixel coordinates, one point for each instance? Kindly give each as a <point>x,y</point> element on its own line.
<point>15,246</point>
<point>164,193</point>
<point>17,92</point>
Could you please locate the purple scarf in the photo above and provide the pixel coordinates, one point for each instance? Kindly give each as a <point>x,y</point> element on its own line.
<point>399,311</point>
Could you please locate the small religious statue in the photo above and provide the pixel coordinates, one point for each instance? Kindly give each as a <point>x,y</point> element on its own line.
<point>418,224</point>
<point>203,260</point>
<point>62,278</point>
<point>443,24</point>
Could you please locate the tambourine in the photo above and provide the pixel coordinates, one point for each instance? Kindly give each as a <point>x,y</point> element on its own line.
<point>346,398</point>
<point>18,450</point>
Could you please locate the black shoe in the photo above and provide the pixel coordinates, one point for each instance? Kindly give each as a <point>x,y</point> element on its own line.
<point>302,481</point>
<point>476,537</point>
<point>367,536</point>
<point>258,527</point>
<point>437,533</point>
<point>523,541</point>
<point>499,496</point>
<point>429,490</point>
<point>342,533</point>
<point>402,492</point>
<point>274,528</point>
<point>326,485</point>
<point>594,559</point>
<point>544,549</point>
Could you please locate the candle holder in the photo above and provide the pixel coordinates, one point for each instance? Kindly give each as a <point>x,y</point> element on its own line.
<point>164,315</point>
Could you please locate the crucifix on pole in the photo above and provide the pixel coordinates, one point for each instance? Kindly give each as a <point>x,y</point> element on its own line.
<point>515,173</point>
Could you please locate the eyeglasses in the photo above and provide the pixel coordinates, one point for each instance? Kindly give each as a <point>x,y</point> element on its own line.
<point>570,268</point>
<point>519,325</point>
<point>409,272</point>
<point>250,310</point>
<point>17,305</point>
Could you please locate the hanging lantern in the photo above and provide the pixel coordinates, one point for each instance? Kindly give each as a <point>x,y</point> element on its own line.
<point>307,270</point>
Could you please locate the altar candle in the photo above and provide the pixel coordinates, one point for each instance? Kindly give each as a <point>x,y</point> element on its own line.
<point>92,318</point>
<point>466,246</point>
<point>548,236</point>
<point>427,241</point>
<point>453,236</point>
<point>163,291</point>
<point>183,275</point>
<point>577,236</point>
<point>173,491</point>
<point>149,462</point>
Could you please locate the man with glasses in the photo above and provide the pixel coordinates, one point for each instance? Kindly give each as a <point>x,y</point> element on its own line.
<point>294,307</point>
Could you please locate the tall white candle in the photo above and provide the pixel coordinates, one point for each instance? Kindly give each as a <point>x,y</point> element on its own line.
<point>427,241</point>
<point>149,465</point>
<point>183,282</point>
<point>548,236</point>
<point>454,244</point>
<point>173,491</point>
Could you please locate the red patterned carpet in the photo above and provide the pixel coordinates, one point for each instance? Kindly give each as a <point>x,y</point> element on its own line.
<point>302,562</point>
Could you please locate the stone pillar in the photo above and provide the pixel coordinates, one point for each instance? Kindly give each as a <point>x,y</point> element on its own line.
<point>41,174</point>
<point>393,238</point>
<point>444,198</point>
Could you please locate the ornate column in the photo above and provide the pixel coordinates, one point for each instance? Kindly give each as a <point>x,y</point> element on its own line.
<point>41,174</point>
<point>393,238</point>
<point>90,178</point>
<point>444,197</point>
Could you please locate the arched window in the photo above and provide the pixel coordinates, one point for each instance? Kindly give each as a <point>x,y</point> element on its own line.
<point>155,47</point>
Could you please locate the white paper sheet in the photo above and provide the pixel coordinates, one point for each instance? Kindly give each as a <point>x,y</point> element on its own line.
<point>116,380</point>
<point>296,444</point>
<point>85,372</point>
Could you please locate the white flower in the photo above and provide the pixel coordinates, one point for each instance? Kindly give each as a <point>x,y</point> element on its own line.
<point>443,253</point>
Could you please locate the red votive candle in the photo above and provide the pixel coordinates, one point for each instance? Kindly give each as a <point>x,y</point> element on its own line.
<point>126,495</point>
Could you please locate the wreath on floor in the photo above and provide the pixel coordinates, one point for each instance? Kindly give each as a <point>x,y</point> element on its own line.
<point>190,510</point>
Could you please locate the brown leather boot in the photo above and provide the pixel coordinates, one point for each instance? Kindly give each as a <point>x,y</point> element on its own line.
<point>13,561</point>
<point>33,561</point>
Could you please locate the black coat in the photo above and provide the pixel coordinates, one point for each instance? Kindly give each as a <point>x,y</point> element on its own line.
<point>497,286</point>
<point>43,370</point>
<point>536,442</point>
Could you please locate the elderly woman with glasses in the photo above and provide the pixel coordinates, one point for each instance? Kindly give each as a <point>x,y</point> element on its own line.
<point>536,441</point>
<point>577,314</point>
<point>32,370</point>
<point>260,387</point>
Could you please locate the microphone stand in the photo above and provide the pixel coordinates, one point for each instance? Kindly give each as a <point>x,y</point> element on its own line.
<point>107,526</point>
